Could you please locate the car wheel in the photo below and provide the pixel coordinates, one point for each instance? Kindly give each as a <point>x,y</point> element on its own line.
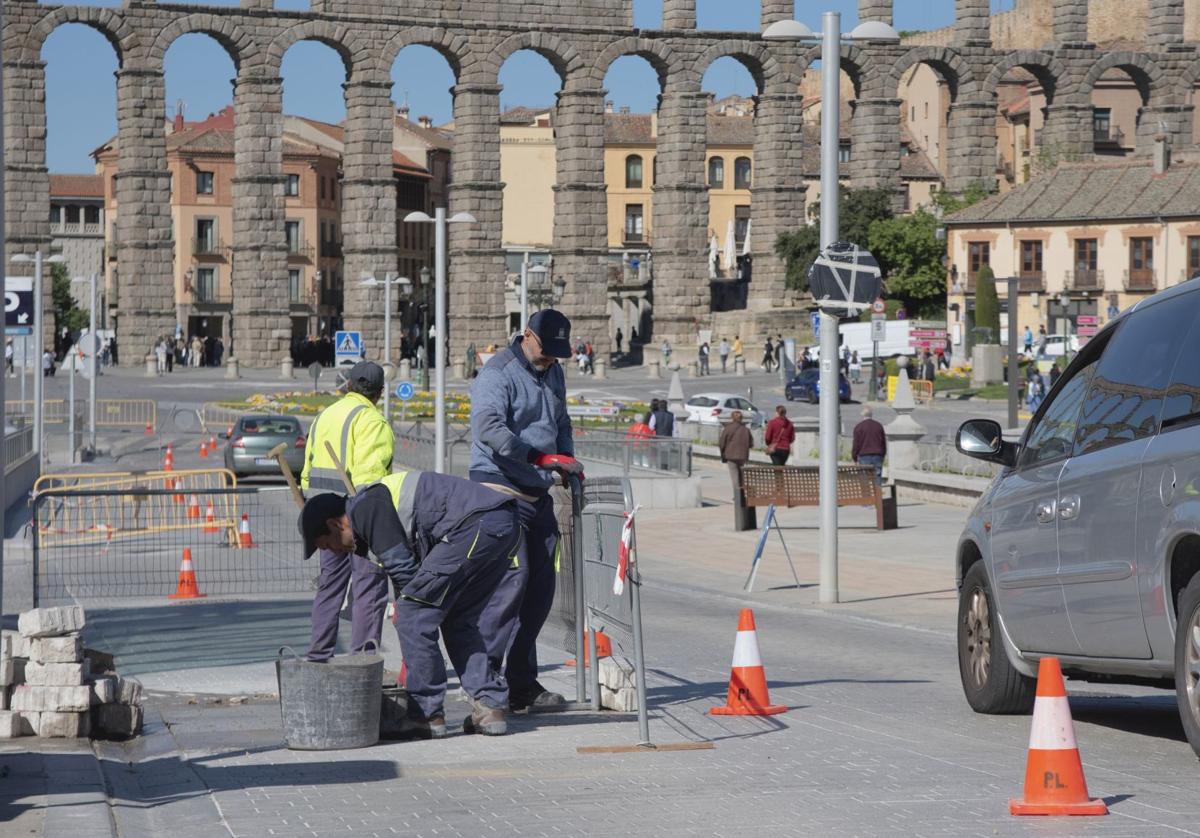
<point>990,682</point>
<point>1187,662</point>
<point>787,394</point>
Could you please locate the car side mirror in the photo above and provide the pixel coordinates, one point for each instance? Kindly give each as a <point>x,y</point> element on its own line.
<point>223,435</point>
<point>983,439</point>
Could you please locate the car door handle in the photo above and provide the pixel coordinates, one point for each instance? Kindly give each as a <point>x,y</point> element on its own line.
<point>1068,507</point>
<point>1046,511</point>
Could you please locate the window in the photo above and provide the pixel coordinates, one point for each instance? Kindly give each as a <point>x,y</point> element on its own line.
<point>844,152</point>
<point>1031,257</point>
<point>1102,123</point>
<point>1126,393</point>
<point>295,285</point>
<point>322,187</point>
<point>72,214</point>
<point>206,284</point>
<point>978,255</point>
<point>1086,259</point>
<point>1053,431</point>
<point>633,172</point>
<point>91,214</point>
<point>293,186</point>
<point>927,110</point>
<point>55,214</point>
<point>633,223</point>
<point>1182,403</point>
<point>204,183</point>
<point>716,173</point>
<point>741,173</point>
<point>741,223</point>
<point>206,235</point>
<point>291,231</point>
<point>1193,257</point>
<point>1141,255</point>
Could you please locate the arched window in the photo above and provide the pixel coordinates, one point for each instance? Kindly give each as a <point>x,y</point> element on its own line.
<point>741,173</point>
<point>716,172</point>
<point>633,171</point>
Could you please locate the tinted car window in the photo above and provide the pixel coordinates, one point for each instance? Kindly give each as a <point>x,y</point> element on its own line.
<point>1125,396</point>
<point>1054,431</point>
<point>1181,404</point>
<point>702,401</point>
<point>280,426</point>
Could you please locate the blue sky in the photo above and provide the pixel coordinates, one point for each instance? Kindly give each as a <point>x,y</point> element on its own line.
<point>81,90</point>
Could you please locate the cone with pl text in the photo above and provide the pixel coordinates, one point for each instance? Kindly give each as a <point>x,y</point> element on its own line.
<point>1054,783</point>
<point>603,649</point>
<point>210,520</point>
<point>187,587</point>
<point>748,680</point>
<point>244,537</point>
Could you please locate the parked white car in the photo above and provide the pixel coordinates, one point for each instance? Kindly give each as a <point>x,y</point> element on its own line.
<point>716,408</point>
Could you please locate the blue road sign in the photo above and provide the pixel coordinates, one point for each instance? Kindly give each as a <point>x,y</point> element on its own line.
<point>404,391</point>
<point>18,305</point>
<point>347,348</point>
<point>816,324</point>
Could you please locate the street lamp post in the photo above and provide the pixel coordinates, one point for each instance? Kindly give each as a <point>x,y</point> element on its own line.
<point>94,352</point>
<point>387,282</point>
<point>439,410</point>
<point>425,277</point>
<point>39,384</point>
<point>831,68</point>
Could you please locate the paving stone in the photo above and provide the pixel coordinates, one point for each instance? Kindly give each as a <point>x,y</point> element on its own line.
<point>52,699</point>
<point>57,674</point>
<point>68,649</point>
<point>51,622</point>
<point>63,725</point>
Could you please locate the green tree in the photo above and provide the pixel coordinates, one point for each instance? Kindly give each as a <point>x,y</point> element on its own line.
<point>860,208</point>
<point>987,306</point>
<point>946,203</point>
<point>908,248</point>
<point>66,313</point>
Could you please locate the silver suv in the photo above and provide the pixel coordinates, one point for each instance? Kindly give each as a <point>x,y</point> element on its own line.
<point>1087,545</point>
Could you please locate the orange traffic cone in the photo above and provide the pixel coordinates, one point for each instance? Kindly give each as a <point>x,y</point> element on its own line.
<point>193,508</point>
<point>212,441</point>
<point>603,650</point>
<point>203,449</point>
<point>1054,783</point>
<point>169,458</point>
<point>244,531</point>
<point>210,520</point>
<point>748,680</point>
<point>149,429</point>
<point>187,587</point>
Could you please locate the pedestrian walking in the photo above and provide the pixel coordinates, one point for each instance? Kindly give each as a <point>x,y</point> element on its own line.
<point>1055,374</point>
<point>356,429</point>
<point>779,352</point>
<point>160,356</point>
<point>870,444</point>
<point>928,371</point>
<point>666,352</point>
<point>1035,391</point>
<point>768,355</point>
<point>1028,341</point>
<point>703,354</point>
<point>1042,339</point>
<point>445,543</point>
<point>47,364</point>
<point>734,444</point>
<point>723,350</point>
<point>620,336</point>
<point>522,443</point>
<point>855,368</point>
<point>779,436</point>
<point>662,422</point>
<point>8,356</point>
<point>738,351</point>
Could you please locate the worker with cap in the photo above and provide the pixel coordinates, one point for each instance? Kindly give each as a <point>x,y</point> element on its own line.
<point>521,443</point>
<point>364,443</point>
<point>446,543</point>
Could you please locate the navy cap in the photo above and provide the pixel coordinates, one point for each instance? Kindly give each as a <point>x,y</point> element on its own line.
<point>366,374</point>
<point>315,515</point>
<point>553,330</point>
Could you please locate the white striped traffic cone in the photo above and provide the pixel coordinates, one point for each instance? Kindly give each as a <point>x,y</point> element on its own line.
<point>244,536</point>
<point>748,681</point>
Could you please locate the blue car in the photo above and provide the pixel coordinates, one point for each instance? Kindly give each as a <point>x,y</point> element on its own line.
<point>807,386</point>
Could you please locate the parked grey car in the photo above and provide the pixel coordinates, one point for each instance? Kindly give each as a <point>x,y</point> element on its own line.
<point>254,436</point>
<point>1086,546</point>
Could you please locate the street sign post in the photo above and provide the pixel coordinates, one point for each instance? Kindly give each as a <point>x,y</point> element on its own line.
<point>404,392</point>
<point>18,305</point>
<point>347,348</point>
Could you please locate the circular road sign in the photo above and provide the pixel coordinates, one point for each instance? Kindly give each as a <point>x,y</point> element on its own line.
<point>879,307</point>
<point>404,391</point>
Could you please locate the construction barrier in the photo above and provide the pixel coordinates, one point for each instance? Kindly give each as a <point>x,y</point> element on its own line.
<point>110,413</point>
<point>922,390</point>
<point>54,411</point>
<point>105,544</point>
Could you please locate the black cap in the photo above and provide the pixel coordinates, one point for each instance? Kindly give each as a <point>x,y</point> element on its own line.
<point>315,515</point>
<point>366,375</point>
<point>553,330</point>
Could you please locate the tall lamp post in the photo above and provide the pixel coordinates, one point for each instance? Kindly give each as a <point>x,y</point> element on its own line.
<point>528,271</point>
<point>39,419</point>
<point>831,70</point>
<point>93,354</point>
<point>542,292</point>
<point>387,282</point>
<point>424,305</point>
<point>440,222</point>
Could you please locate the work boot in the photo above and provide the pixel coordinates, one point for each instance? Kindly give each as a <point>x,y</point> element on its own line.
<point>532,696</point>
<point>486,720</point>
<point>432,728</point>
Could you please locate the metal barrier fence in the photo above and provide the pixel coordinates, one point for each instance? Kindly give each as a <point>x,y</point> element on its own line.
<point>17,446</point>
<point>215,417</point>
<point>110,413</point>
<point>189,480</point>
<point>99,544</point>
<point>416,447</point>
<point>54,411</point>
<point>635,452</point>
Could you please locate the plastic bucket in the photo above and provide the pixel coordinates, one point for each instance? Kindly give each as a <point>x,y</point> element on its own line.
<point>329,706</point>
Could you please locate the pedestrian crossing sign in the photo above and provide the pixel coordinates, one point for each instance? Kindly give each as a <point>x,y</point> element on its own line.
<point>348,348</point>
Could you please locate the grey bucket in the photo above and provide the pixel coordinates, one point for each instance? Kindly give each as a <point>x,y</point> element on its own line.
<point>329,706</point>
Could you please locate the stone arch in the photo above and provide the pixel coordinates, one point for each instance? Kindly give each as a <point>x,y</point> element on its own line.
<point>1048,70</point>
<point>563,57</point>
<point>857,63</point>
<point>755,57</point>
<point>109,23</point>
<point>947,62</point>
<point>235,40</point>
<point>1145,72</point>
<point>1188,80</point>
<point>339,38</point>
<point>453,47</point>
<point>665,62</point>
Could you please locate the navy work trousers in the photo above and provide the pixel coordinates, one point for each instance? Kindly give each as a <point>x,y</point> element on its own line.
<point>368,601</point>
<point>516,614</point>
<point>456,581</point>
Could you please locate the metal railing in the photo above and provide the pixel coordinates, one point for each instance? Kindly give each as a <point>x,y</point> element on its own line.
<point>632,453</point>
<point>18,445</point>
<point>1090,280</point>
<point>110,413</point>
<point>300,250</point>
<point>1140,280</point>
<point>1032,281</point>
<point>207,246</point>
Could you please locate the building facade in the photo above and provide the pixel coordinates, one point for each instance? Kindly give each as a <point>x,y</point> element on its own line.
<point>77,228</point>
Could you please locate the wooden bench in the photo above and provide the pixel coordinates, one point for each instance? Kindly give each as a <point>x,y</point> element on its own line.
<point>790,486</point>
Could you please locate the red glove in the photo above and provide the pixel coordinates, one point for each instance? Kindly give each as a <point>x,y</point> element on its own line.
<point>562,463</point>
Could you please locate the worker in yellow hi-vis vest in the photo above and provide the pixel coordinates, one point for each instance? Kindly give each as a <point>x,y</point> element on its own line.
<point>365,443</point>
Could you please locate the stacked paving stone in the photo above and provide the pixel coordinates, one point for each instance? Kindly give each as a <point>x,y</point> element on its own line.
<point>51,687</point>
<point>618,686</point>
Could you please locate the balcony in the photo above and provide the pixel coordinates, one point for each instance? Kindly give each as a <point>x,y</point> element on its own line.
<point>1140,279</point>
<point>634,238</point>
<point>1033,282</point>
<point>331,249</point>
<point>1090,280</point>
<point>206,295</point>
<point>1111,137</point>
<point>208,246</point>
<point>63,228</point>
<point>300,252</point>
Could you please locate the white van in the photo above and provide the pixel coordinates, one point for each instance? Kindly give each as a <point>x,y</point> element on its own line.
<point>857,336</point>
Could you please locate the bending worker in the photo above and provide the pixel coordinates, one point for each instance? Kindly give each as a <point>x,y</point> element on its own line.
<point>364,442</point>
<point>446,543</point>
<point>521,437</point>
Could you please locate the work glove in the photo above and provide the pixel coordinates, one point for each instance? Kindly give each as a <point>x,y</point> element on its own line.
<point>562,463</point>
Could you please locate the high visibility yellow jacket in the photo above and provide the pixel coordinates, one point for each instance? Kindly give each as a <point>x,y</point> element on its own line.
<point>364,442</point>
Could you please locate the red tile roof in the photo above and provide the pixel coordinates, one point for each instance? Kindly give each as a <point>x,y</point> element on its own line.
<point>76,186</point>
